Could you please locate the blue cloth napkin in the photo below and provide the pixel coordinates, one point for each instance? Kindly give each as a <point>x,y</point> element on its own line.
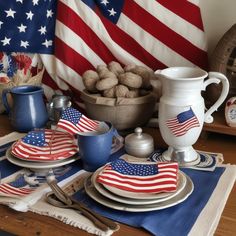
<point>177,220</point>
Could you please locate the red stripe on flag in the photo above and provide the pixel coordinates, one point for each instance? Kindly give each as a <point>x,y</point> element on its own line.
<point>166,35</point>
<point>129,44</point>
<point>77,25</point>
<point>70,57</point>
<point>179,8</point>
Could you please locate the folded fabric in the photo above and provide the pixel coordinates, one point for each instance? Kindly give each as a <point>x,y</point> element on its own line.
<point>141,178</point>
<point>45,145</point>
<point>75,122</point>
<point>18,187</point>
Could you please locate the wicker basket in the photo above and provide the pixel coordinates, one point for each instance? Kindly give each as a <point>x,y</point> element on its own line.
<point>123,113</point>
<point>219,61</point>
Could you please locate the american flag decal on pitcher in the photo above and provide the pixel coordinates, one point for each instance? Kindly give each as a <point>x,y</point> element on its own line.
<point>183,122</point>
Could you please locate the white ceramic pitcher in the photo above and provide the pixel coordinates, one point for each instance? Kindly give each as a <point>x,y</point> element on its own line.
<point>182,109</point>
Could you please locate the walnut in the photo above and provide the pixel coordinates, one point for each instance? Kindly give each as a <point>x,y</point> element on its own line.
<point>121,90</point>
<point>109,93</point>
<point>115,67</point>
<point>90,79</point>
<point>107,74</point>
<point>134,93</point>
<point>130,79</point>
<point>101,67</point>
<point>146,73</point>
<point>106,83</point>
<point>129,67</point>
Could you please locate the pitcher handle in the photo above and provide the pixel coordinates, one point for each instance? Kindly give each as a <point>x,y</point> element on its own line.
<point>4,100</point>
<point>216,77</point>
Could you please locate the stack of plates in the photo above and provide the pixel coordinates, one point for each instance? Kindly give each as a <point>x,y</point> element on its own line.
<point>38,166</point>
<point>59,149</point>
<point>128,201</point>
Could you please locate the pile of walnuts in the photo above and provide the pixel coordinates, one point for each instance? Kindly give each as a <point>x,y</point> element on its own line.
<point>114,81</point>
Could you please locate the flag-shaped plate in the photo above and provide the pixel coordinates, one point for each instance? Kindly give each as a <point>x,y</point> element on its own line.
<point>45,146</point>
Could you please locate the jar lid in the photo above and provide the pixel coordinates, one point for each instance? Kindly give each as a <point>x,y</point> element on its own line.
<point>139,139</point>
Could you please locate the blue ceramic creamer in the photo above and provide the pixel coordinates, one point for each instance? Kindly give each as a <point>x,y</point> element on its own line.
<point>95,148</point>
<point>28,110</point>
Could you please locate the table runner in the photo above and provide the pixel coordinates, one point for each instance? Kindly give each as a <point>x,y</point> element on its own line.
<point>202,219</point>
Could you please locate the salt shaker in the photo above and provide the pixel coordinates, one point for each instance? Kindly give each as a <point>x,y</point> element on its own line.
<point>139,144</point>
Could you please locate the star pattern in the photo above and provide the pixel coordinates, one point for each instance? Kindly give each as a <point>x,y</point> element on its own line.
<point>112,12</point>
<point>35,2</point>
<point>27,26</point>
<point>127,168</point>
<point>29,15</point>
<point>24,44</point>
<point>36,138</point>
<point>49,13</point>
<point>47,43</point>
<point>10,13</point>
<point>6,41</point>
<point>22,28</point>
<point>42,30</point>
<point>105,2</point>
<point>111,9</point>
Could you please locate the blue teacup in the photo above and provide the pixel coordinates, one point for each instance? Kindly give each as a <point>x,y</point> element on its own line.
<point>95,147</point>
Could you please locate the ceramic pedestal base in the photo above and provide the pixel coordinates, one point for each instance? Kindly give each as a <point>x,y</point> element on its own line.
<point>185,156</point>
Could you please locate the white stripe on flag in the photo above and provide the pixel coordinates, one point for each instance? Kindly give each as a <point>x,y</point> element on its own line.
<point>176,23</point>
<point>159,50</point>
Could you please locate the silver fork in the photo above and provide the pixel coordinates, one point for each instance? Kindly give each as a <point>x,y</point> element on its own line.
<point>98,220</point>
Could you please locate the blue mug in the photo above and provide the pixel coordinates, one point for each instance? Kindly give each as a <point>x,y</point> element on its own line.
<point>28,110</point>
<point>95,147</point>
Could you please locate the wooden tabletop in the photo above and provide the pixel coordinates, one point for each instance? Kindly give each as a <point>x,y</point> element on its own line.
<point>28,223</point>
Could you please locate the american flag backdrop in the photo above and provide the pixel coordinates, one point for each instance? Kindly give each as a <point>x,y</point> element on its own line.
<point>153,33</point>
<point>140,178</point>
<point>183,122</point>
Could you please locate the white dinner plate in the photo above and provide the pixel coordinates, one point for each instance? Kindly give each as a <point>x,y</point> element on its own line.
<point>100,188</point>
<point>180,197</point>
<point>39,165</point>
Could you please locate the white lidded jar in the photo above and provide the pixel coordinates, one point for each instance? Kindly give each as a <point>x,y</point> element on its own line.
<point>139,144</point>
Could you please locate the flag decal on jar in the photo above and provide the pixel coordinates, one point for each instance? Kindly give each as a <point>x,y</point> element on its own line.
<point>183,122</point>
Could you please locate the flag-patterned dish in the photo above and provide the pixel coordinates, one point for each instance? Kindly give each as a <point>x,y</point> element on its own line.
<point>39,166</point>
<point>180,197</point>
<point>45,145</point>
<point>139,180</point>
<point>150,199</point>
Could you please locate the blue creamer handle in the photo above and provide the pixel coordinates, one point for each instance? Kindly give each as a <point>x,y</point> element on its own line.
<point>4,100</point>
<point>116,134</point>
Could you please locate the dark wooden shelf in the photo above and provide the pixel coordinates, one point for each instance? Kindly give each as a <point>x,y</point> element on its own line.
<point>219,125</point>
